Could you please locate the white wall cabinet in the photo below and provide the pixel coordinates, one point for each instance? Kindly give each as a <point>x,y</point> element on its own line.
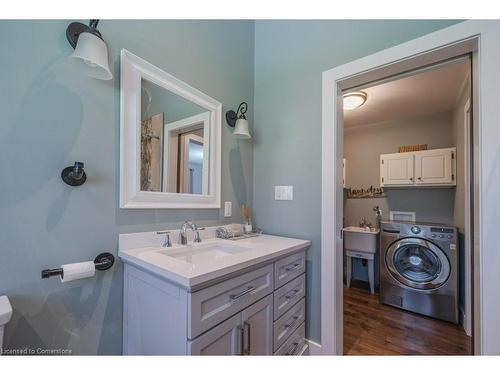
<point>435,167</point>
<point>396,169</point>
<point>419,169</point>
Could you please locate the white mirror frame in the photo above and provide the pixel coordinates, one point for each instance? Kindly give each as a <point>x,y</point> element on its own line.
<point>133,70</point>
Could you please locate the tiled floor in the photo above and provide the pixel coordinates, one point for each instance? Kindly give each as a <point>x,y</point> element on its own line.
<point>372,328</point>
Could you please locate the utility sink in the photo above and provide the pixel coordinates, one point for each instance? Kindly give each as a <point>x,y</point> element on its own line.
<point>204,253</point>
<point>360,239</point>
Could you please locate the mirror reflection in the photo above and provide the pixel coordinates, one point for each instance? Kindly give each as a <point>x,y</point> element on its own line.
<point>174,142</point>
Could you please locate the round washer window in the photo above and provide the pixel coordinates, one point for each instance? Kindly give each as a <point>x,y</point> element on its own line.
<point>417,263</point>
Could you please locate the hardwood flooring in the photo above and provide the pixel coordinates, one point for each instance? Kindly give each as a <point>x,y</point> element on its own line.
<point>371,328</point>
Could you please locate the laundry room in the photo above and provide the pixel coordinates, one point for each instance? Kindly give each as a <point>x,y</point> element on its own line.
<point>407,246</point>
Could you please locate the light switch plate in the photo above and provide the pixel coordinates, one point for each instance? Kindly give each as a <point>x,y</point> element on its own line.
<point>283,193</point>
<point>227,209</point>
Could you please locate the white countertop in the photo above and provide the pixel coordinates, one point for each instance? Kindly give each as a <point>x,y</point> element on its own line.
<point>260,249</point>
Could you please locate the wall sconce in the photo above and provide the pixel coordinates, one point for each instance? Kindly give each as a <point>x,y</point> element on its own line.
<point>90,50</point>
<point>75,175</point>
<point>239,122</point>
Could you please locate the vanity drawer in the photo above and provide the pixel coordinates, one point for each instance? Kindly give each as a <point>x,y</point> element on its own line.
<point>290,320</point>
<point>295,343</point>
<point>214,304</point>
<point>289,268</point>
<point>289,295</point>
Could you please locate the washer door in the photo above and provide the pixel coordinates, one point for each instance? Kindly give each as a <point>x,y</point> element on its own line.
<point>417,263</point>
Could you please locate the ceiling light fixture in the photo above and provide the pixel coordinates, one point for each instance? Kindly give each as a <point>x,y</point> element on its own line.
<point>353,100</point>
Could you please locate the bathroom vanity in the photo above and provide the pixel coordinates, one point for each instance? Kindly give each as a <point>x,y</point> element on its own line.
<point>224,297</point>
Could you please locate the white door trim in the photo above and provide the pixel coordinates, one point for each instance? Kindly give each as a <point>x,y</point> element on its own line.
<point>467,214</point>
<point>464,37</point>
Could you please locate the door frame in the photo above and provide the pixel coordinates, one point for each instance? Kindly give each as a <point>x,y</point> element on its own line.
<point>468,229</point>
<point>475,37</point>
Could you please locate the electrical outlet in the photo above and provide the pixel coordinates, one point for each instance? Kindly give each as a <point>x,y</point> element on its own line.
<point>227,209</point>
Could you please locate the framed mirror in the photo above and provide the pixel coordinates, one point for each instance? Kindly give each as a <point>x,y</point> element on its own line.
<point>170,140</point>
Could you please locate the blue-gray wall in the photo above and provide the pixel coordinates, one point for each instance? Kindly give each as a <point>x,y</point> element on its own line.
<point>289,59</point>
<point>51,117</point>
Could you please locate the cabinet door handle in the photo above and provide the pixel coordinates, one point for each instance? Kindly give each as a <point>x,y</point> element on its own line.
<point>234,297</point>
<point>292,323</point>
<point>420,178</point>
<point>289,268</point>
<point>247,349</point>
<point>291,295</point>
<point>293,348</point>
<point>242,339</point>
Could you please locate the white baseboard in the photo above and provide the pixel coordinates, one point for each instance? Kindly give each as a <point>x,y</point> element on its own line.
<point>314,348</point>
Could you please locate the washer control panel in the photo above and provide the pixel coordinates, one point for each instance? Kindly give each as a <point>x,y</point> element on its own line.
<point>441,233</point>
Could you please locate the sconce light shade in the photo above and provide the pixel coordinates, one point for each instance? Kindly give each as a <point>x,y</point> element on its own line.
<point>241,129</point>
<point>92,56</point>
<point>239,122</point>
<point>91,53</point>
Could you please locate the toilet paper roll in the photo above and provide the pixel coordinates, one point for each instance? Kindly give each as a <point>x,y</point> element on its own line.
<point>76,271</point>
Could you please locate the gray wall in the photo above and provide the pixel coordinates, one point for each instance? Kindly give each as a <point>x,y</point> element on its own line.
<point>289,59</point>
<point>51,117</point>
<point>363,146</point>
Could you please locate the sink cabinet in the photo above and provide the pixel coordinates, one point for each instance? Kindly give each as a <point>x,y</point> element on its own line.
<point>249,332</point>
<point>256,311</point>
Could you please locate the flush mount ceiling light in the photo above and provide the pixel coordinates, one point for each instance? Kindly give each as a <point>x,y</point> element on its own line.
<point>353,100</point>
<point>91,52</point>
<point>239,122</point>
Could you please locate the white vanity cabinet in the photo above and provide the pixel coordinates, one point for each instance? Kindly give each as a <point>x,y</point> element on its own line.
<point>255,311</point>
<point>249,332</point>
<point>419,169</point>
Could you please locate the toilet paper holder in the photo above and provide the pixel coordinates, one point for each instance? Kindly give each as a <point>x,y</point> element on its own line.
<point>102,262</point>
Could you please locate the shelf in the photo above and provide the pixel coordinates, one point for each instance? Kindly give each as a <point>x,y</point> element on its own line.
<point>374,197</point>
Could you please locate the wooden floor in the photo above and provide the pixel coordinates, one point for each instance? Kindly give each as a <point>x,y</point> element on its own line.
<point>371,328</point>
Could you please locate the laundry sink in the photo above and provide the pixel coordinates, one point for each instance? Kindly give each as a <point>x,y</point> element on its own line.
<point>360,239</point>
<point>204,253</point>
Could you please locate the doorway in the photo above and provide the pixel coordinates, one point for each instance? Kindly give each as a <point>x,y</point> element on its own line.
<point>439,46</point>
<point>404,168</point>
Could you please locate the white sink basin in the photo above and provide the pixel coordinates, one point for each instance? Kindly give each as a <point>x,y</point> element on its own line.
<point>204,253</point>
<point>360,239</point>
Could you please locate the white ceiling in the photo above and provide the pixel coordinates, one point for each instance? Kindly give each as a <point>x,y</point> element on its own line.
<point>431,91</point>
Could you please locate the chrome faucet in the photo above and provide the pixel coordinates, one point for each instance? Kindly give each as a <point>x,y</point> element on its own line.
<point>183,235</point>
<point>378,215</point>
<point>365,224</point>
